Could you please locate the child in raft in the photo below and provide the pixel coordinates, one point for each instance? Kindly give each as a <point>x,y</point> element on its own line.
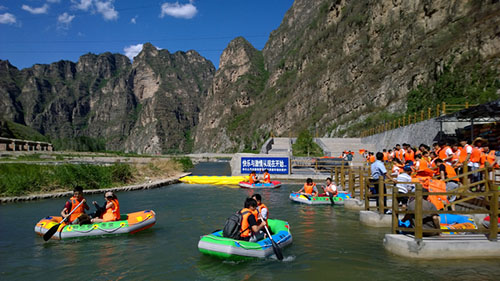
<point>112,209</point>
<point>252,178</point>
<point>309,188</point>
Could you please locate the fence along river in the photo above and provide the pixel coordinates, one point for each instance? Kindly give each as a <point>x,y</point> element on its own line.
<point>328,242</point>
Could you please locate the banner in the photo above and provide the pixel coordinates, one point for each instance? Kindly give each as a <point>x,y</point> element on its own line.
<point>275,165</point>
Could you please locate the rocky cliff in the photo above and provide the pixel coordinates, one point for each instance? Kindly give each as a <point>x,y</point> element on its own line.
<point>332,64</point>
<point>148,106</point>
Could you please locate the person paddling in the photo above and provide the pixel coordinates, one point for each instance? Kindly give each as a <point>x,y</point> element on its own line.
<point>261,208</point>
<point>252,178</point>
<point>330,189</point>
<point>112,209</point>
<point>309,188</point>
<point>266,176</point>
<point>250,229</point>
<point>73,205</point>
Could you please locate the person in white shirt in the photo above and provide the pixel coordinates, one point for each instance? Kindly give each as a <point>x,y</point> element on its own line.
<point>404,188</point>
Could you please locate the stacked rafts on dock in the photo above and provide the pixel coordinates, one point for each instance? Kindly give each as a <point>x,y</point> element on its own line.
<point>216,180</point>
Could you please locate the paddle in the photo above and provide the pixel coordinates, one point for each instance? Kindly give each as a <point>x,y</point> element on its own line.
<point>276,249</point>
<point>53,229</point>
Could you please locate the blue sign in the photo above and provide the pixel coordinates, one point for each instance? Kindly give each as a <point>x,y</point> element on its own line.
<point>275,165</point>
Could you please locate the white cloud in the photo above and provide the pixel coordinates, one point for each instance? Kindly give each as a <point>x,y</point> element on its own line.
<point>53,1</point>
<point>7,18</point>
<point>36,11</point>
<point>2,8</point>
<point>132,50</point>
<point>176,10</point>
<point>134,20</point>
<point>64,20</point>
<point>106,9</point>
<point>83,5</point>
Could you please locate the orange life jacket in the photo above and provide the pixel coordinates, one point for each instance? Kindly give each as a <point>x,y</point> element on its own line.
<point>386,156</point>
<point>245,230</point>
<point>435,186</point>
<point>267,178</point>
<point>252,179</point>
<point>423,164</point>
<point>442,153</point>
<point>262,206</point>
<point>372,158</point>
<point>475,156</point>
<point>113,213</point>
<point>463,154</point>
<point>450,172</point>
<point>410,155</point>
<point>77,211</point>
<point>399,154</point>
<point>490,158</point>
<point>309,188</point>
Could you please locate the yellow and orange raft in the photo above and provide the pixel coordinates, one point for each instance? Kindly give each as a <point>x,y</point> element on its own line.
<point>129,223</point>
<point>216,180</point>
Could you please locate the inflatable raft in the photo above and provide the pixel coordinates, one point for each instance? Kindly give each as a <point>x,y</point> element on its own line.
<point>319,200</point>
<point>272,184</point>
<point>226,248</point>
<point>129,223</point>
<point>222,180</point>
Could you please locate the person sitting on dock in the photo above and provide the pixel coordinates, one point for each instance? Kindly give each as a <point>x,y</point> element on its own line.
<point>378,170</point>
<point>261,208</point>
<point>112,209</point>
<point>309,188</point>
<point>73,205</point>
<point>404,188</point>
<point>430,221</point>
<point>251,230</point>
<point>266,178</point>
<point>330,189</point>
<point>252,178</point>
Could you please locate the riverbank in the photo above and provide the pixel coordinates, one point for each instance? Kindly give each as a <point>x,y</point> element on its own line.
<point>148,185</point>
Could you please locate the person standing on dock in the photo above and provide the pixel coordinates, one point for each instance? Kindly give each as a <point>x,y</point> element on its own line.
<point>378,170</point>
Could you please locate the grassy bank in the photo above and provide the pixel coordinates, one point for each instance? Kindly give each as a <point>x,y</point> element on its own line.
<point>23,179</point>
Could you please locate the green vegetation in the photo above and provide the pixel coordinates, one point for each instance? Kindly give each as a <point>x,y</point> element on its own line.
<point>9,129</point>
<point>305,146</point>
<point>468,81</point>
<point>21,179</point>
<point>185,162</point>
<point>81,143</point>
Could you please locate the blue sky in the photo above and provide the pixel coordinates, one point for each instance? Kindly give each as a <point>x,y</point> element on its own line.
<point>46,31</point>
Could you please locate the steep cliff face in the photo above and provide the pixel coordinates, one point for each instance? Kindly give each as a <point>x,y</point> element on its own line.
<point>332,64</point>
<point>149,106</point>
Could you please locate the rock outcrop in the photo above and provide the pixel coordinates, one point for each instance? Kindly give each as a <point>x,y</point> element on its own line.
<point>149,106</point>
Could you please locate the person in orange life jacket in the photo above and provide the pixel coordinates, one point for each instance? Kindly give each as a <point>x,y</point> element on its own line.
<point>250,229</point>
<point>398,152</point>
<point>390,155</point>
<point>309,188</point>
<point>371,157</point>
<point>72,204</point>
<point>396,167</point>
<point>261,208</point>
<point>446,172</point>
<point>386,155</point>
<point>420,162</point>
<point>111,209</point>
<point>252,178</point>
<point>445,152</point>
<point>475,158</point>
<point>409,155</point>
<point>266,177</point>
<point>330,189</point>
<point>456,155</point>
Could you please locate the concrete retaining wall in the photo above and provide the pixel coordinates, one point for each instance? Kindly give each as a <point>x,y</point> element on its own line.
<point>443,247</point>
<point>354,204</point>
<point>425,132</point>
<point>375,219</point>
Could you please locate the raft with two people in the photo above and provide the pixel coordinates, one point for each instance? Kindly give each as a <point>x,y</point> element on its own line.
<point>214,244</point>
<point>321,199</point>
<point>128,224</point>
<point>272,184</point>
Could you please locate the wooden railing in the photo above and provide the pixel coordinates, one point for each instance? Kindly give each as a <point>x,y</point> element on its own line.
<point>407,119</point>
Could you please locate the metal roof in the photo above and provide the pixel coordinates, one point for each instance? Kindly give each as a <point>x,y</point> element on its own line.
<point>488,112</point>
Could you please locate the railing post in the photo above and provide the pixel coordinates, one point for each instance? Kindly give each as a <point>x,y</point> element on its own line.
<point>381,194</point>
<point>444,108</point>
<point>428,113</point>
<point>399,122</point>
<point>494,215</point>
<point>415,117</point>
<point>342,176</point>
<point>418,212</point>
<point>395,210</point>
<point>366,187</point>
<point>351,183</point>
<point>437,110</point>
<point>465,170</point>
<point>361,182</point>
<point>466,104</point>
<point>404,118</point>
<point>421,115</point>
<point>337,182</point>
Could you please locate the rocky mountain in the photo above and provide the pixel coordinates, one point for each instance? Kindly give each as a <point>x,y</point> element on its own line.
<point>148,106</point>
<point>332,65</point>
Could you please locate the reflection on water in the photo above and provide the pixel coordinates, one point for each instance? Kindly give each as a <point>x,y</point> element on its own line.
<point>328,243</point>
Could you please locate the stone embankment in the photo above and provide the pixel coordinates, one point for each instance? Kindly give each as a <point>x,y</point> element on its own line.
<point>148,185</point>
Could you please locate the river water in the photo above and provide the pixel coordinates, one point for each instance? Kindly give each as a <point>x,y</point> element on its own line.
<point>328,242</point>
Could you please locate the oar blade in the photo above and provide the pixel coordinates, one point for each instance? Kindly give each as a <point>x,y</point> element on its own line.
<point>277,251</point>
<point>51,232</point>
